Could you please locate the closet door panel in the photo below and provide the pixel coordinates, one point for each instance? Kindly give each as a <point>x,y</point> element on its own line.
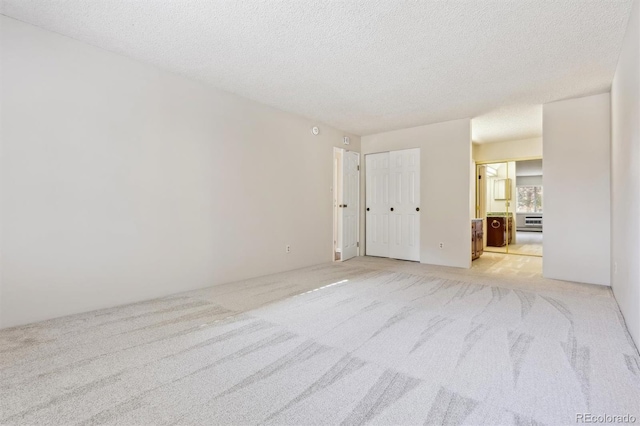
<point>377,204</point>
<point>405,216</point>
<point>393,204</point>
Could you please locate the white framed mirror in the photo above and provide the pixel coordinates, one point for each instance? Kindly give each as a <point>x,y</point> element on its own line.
<point>502,189</point>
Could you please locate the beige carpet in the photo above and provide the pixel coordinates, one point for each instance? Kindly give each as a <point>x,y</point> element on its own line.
<point>371,340</point>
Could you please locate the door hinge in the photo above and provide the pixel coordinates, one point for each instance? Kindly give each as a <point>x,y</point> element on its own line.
<point>358,244</point>
<point>358,168</point>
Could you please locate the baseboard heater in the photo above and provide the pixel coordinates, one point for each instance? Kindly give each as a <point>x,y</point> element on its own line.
<point>533,221</point>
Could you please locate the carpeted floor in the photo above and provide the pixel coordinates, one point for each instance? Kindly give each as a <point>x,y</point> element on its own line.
<point>367,341</point>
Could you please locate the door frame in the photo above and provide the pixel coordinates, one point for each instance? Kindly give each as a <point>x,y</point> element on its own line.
<point>475,197</point>
<point>336,193</point>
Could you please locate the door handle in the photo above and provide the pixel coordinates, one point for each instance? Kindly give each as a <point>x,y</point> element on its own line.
<point>391,208</point>
<point>342,205</point>
<point>417,209</point>
<point>367,208</point>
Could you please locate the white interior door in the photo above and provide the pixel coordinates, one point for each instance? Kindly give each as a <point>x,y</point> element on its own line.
<point>377,206</point>
<point>404,232</point>
<point>348,205</point>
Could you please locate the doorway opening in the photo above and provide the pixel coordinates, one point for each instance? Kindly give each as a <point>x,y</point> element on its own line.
<point>346,206</point>
<point>509,200</point>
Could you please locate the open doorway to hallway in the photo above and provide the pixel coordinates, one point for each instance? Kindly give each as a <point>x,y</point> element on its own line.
<point>509,200</point>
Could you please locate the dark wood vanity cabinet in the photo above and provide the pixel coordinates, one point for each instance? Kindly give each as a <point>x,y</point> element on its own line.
<point>498,229</point>
<point>477,239</point>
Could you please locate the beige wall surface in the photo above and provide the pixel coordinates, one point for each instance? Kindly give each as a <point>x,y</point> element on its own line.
<point>445,187</point>
<point>121,182</point>
<point>576,174</point>
<point>508,150</point>
<point>625,177</point>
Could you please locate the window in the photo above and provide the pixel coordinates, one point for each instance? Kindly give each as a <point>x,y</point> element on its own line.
<point>529,199</point>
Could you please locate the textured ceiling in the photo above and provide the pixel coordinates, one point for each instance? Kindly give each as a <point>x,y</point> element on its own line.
<point>366,66</point>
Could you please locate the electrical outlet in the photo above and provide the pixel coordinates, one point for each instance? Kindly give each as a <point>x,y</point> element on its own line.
<point>441,245</point>
<point>287,248</point>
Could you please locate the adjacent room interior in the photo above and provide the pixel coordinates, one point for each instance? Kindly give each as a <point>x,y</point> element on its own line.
<point>528,208</point>
<point>509,199</point>
<point>297,212</point>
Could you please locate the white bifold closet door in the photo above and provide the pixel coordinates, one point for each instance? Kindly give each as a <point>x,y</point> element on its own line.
<point>393,204</point>
<point>377,204</point>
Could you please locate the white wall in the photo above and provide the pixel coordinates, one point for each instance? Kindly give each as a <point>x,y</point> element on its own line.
<point>445,154</point>
<point>576,135</point>
<point>493,205</point>
<point>529,181</point>
<point>625,177</point>
<point>508,150</point>
<point>121,182</point>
